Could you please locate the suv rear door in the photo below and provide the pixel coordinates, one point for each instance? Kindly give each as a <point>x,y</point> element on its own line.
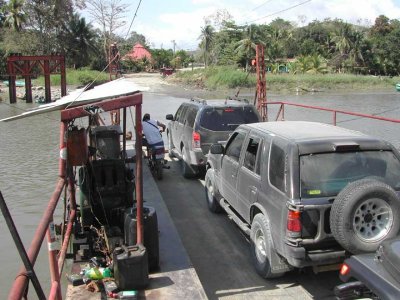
<point>217,123</point>
<point>177,126</point>
<point>249,179</point>
<point>230,166</point>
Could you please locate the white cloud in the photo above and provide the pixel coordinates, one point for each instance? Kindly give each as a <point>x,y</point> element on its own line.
<point>184,23</point>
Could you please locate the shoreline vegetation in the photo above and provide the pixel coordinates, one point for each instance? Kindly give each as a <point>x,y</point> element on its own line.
<point>229,78</point>
<point>214,78</point>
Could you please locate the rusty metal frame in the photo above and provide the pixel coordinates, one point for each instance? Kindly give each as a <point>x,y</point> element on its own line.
<point>281,112</point>
<point>18,65</point>
<point>261,83</point>
<point>46,227</point>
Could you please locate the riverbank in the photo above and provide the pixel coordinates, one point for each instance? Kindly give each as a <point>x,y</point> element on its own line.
<point>217,78</point>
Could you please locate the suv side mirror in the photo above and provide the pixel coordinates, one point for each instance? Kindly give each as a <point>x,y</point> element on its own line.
<point>169,117</point>
<point>217,149</point>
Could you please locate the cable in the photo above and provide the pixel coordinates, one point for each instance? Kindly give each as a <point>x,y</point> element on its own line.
<point>278,12</point>
<point>134,16</point>
<point>261,5</point>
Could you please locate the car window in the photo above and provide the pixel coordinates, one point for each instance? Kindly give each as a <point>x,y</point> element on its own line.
<point>191,115</point>
<point>251,161</point>
<point>345,167</point>
<point>234,146</point>
<point>277,167</point>
<point>227,118</point>
<point>179,112</point>
<point>181,116</point>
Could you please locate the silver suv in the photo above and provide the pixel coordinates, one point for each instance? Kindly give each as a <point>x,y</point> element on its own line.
<point>308,194</point>
<point>199,123</point>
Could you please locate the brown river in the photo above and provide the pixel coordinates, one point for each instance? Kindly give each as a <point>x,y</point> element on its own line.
<point>29,154</point>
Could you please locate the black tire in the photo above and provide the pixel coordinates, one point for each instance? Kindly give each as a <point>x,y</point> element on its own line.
<point>158,169</point>
<point>209,187</point>
<point>365,213</point>
<point>261,247</point>
<point>187,171</point>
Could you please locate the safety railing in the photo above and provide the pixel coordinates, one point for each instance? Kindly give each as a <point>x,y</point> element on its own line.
<point>281,112</point>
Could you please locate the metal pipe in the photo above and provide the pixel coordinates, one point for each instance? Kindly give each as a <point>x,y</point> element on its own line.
<point>139,179</point>
<point>53,248</point>
<point>124,130</point>
<point>71,219</point>
<point>21,282</point>
<point>63,150</point>
<point>67,237</point>
<point>339,111</point>
<point>55,286</point>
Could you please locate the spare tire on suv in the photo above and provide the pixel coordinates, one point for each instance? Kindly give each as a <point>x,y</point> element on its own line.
<point>364,214</point>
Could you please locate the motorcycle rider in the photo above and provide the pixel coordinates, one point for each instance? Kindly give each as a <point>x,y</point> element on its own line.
<point>152,132</point>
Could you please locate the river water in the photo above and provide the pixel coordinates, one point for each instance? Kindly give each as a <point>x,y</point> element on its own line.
<point>29,156</point>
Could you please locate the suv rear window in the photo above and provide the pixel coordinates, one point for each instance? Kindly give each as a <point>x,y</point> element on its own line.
<point>326,174</point>
<point>227,118</point>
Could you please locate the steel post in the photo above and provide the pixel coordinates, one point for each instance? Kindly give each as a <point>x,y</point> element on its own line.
<point>47,83</point>
<point>139,174</point>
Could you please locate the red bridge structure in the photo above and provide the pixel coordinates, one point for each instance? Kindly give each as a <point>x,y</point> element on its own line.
<point>27,67</point>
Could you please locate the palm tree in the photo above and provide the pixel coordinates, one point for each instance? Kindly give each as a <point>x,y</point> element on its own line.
<point>207,37</point>
<point>247,45</point>
<point>79,41</point>
<point>14,15</point>
<point>342,40</point>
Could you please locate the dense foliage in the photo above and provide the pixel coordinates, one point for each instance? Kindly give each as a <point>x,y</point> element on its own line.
<point>35,27</point>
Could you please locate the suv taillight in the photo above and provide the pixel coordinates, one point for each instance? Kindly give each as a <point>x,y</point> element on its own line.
<point>344,270</point>
<point>196,139</point>
<point>294,222</point>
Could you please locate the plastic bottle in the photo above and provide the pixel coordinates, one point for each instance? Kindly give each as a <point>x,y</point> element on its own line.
<point>128,295</point>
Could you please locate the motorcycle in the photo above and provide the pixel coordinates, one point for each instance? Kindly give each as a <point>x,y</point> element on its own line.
<point>156,159</point>
<point>375,275</point>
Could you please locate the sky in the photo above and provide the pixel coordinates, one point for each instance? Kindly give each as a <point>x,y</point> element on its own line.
<point>164,21</point>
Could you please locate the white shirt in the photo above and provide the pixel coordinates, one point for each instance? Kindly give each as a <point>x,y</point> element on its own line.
<point>151,132</point>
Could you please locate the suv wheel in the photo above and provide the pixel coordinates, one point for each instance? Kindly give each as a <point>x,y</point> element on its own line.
<point>261,247</point>
<point>187,170</point>
<point>365,213</point>
<point>212,202</point>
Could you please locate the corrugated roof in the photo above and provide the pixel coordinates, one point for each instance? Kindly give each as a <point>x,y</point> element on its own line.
<point>138,52</point>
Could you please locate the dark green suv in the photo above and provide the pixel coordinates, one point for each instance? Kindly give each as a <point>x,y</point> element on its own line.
<point>199,123</point>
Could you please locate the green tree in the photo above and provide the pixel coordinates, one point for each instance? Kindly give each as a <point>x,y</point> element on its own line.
<point>162,57</point>
<point>206,37</point>
<point>247,45</point>
<point>14,14</point>
<point>79,41</point>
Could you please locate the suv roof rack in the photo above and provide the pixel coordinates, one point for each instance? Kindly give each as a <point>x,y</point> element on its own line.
<point>236,99</point>
<point>199,100</point>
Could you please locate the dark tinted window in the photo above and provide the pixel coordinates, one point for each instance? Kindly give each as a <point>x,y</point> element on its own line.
<point>339,169</point>
<point>234,146</point>
<point>179,112</point>
<point>250,158</point>
<point>191,116</point>
<point>277,167</point>
<point>181,116</point>
<point>227,118</point>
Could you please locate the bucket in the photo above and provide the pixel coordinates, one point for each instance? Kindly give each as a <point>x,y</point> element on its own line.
<point>77,147</point>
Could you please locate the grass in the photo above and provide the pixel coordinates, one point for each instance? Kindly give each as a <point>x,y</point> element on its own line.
<point>231,77</point>
<point>79,77</point>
